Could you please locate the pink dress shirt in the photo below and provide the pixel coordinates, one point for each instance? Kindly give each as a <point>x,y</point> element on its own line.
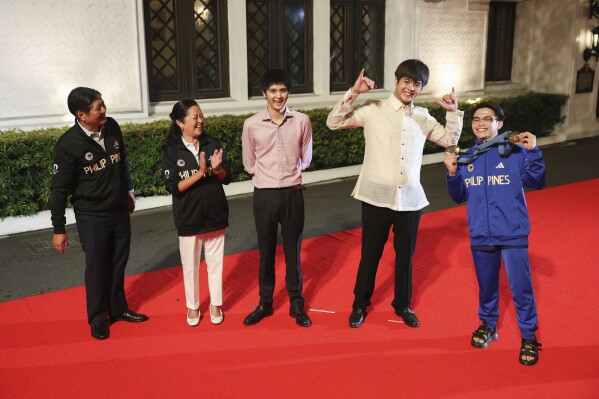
<point>275,155</point>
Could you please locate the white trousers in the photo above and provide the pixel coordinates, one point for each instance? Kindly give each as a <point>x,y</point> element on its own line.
<point>190,248</point>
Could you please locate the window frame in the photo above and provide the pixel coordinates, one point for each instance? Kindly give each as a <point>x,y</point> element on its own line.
<point>185,50</point>
<point>500,41</point>
<point>277,45</point>
<point>353,61</point>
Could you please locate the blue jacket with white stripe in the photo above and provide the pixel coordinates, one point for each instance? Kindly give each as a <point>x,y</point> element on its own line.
<point>493,188</point>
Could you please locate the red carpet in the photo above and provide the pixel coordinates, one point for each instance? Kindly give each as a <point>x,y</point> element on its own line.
<point>46,350</point>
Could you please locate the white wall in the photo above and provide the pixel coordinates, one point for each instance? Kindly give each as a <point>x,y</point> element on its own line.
<point>580,112</point>
<point>451,42</point>
<point>48,48</point>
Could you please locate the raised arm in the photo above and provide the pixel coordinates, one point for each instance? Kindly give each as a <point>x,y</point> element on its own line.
<point>342,116</point>
<point>449,102</point>
<point>532,169</point>
<point>362,84</point>
<point>449,134</point>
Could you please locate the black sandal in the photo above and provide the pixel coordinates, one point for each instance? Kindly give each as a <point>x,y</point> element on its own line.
<point>530,348</point>
<point>485,334</point>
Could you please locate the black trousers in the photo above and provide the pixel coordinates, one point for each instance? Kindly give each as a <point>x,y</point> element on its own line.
<point>273,207</point>
<point>105,240</point>
<point>376,223</point>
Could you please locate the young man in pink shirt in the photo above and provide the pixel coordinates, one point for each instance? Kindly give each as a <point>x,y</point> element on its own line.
<point>277,146</point>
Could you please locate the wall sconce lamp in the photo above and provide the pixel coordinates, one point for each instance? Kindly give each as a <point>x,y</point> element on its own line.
<point>592,49</point>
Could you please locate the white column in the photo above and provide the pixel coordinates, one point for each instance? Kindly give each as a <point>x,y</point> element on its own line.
<point>238,71</point>
<point>321,39</point>
<point>400,31</point>
<point>143,60</point>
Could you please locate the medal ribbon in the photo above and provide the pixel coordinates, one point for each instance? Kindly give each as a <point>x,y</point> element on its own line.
<point>498,141</point>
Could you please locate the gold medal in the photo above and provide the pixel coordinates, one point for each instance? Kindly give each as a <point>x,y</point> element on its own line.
<point>513,138</point>
<point>452,149</point>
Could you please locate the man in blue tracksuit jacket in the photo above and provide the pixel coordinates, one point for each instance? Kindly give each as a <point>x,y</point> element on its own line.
<point>491,177</point>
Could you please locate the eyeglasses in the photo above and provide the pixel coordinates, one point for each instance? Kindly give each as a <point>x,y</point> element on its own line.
<point>487,119</point>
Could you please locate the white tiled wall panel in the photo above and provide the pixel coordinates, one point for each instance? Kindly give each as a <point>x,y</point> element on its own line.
<point>50,47</point>
<point>451,42</point>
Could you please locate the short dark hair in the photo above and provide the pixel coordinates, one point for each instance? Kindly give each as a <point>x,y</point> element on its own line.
<point>487,104</point>
<point>413,69</point>
<point>275,76</point>
<point>81,99</point>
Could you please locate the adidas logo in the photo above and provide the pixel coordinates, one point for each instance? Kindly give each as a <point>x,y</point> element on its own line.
<point>500,166</point>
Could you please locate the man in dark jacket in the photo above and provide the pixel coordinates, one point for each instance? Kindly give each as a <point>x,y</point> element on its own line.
<point>90,165</point>
<point>490,177</point>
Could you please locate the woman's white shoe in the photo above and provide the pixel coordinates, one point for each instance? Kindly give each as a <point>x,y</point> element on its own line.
<point>216,319</point>
<point>193,321</point>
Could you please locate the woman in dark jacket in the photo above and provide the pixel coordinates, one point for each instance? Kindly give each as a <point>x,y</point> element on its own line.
<point>195,170</point>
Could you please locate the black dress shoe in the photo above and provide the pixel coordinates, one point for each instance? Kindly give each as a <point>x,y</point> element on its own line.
<point>356,318</point>
<point>408,316</point>
<point>100,330</point>
<point>130,316</point>
<point>257,315</point>
<point>301,318</point>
